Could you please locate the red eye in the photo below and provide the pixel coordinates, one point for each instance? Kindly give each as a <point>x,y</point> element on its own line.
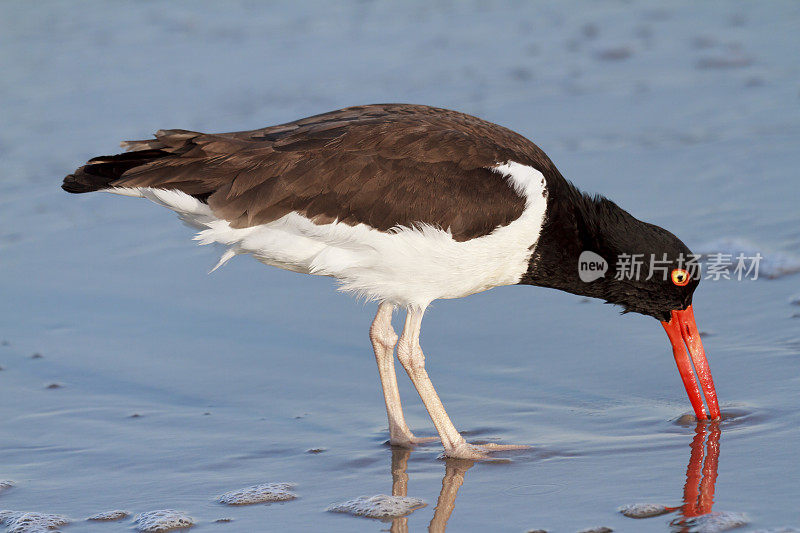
<point>680,277</point>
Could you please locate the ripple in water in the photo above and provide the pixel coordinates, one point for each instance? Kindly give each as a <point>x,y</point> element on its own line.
<point>773,264</point>
<point>379,506</point>
<point>729,418</point>
<point>264,493</point>
<point>536,489</point>
<point>162,520</point>
<point>5,484</point>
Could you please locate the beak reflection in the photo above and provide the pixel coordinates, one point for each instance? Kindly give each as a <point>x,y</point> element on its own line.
<point>698,491</point>
<point>701,476</point>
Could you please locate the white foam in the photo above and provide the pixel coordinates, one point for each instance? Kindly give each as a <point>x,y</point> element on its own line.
<point>773,264</point>
<point>642,510</point>
<point>5,484</point>
<point>264,493</point>
<point>107,516</point>
<point>24,522</point>
<point>713,522</point>
<point>379,506</point>
<point>162,520</point>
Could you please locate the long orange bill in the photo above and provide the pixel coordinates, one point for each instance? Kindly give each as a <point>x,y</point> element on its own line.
<point>681,329</point>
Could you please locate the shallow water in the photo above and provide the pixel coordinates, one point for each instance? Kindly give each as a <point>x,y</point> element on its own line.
<point>175,387</point>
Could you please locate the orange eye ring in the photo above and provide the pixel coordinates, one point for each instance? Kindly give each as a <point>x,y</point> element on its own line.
<point>680,277</point>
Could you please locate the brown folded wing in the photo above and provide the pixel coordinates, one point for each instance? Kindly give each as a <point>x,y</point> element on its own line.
<point>380,165</point>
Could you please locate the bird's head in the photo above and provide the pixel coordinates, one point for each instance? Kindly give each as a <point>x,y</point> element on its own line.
<point>650,271</point>
<point>639,266</point>
<point>662,286</point>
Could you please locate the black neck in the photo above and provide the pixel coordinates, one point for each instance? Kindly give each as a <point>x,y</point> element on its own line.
<point>569,229</point>
<point>576,222</point>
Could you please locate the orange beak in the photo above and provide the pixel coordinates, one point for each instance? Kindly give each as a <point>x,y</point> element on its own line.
<point>681,329</point>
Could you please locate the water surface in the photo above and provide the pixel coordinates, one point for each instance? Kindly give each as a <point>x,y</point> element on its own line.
<point>175,386</point>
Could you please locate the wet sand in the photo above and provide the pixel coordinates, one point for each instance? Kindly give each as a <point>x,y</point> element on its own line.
<point>132,380</point>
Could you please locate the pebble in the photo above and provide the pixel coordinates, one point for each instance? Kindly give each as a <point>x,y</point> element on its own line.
<point>643,510</point>
<point>109,516</point>
<point>22,522</point>
<point>162,520</point>
<point>714,522</point>
<point>264,493</point>
<point>379,506</point>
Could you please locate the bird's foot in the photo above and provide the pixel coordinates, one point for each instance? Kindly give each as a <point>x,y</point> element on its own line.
<point>477,452</point>
<point>409,440</point>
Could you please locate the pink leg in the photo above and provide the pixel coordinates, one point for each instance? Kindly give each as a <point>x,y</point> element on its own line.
<point>383,340</point>
<point>410,355</point>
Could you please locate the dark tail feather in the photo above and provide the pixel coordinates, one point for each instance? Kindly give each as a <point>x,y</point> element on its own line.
<point>100,172</point>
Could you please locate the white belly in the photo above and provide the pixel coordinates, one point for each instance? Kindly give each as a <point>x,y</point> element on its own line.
<point>409,267</point>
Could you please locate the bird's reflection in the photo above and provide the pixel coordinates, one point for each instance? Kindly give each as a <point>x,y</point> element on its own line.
<point>698,491</point>
<point>701,475</point>
<point>451,482</point>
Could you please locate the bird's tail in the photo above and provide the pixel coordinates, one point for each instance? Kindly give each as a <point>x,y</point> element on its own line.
<point>100,172</point>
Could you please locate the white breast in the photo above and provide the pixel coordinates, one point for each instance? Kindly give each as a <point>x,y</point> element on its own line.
<point>409,267</point>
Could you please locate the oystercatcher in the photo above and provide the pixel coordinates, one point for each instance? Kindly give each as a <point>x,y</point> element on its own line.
<point>404,204</point>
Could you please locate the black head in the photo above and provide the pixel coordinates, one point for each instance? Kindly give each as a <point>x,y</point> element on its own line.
<point>650,270</point>
<point>589,246</point>
<point>592,247</point>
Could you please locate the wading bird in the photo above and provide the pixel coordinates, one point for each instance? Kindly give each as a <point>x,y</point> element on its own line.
<point>404,204</point>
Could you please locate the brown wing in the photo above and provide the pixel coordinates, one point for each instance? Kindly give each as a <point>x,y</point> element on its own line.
<point>381,165</point>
